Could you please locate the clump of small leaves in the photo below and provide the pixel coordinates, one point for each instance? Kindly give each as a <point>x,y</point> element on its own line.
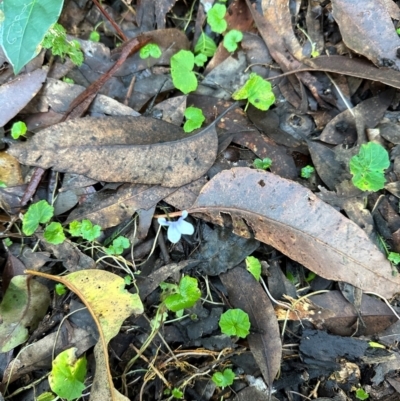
<point>60,289</point>
<point>216,18</point>
<point>150,50</point>
<point>263,164</point>
<point>183,77</point>
<point>181,296</point>
<point>85,229</point>
<point>223,379</point>
<point>56,40</point>
<point>231,40</point>
<point>18,129</point>
<point>253,265</point>
<point>37,213</point>
<point>194,118</point>
<point>257,91</point>
<point>307,171</point>
<point>118,245</point>
<point>235,322</point>
<point>361,394</point>
<point>205,45</point>
<point>68,374</point>
<point>368,167</point>
<point>176,393</point>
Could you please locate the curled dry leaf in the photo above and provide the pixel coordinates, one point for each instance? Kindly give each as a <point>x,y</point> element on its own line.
<point>121,149</point>
<point>292,219</point>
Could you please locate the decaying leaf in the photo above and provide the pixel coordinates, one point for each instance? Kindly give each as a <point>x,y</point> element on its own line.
<point>122,149</point>
<point>292,219</point>
<point>108,302</point>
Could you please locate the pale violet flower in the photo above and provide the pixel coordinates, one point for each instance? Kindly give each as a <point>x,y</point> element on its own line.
<point>177,228</point>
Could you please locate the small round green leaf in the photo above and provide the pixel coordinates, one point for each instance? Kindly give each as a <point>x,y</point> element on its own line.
<point>194,118</point>
<point>216,18</point>
<point>38,213</point>
<point>188,295</point>
<point>235,322</point>
<point>223,379</point>
<point>253,265</point>
<point>94,36</point>
<point>150,50</point>
<point>18,129</point>
<point>54,233</point>
<point>200,59</point>
<point>231,39</point>
<point>205,45</point>
<point>183,77</point>
<point>307,171</point>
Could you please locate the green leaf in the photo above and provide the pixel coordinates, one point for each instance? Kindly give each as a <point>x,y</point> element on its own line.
<point>47,396</point>
<point>253,265</point>
<point>68,374</point>
<point>56,40</point>
<point>367,167</point>
<point>150,50</point>
<point>200,59</point>
<point>235,322</point>
<point>205,45</point>
<point>24,27</point>
<point>374,344</point>
<point>94,36</point>
<point>75,228</point>
<point>119,244</point>
<point>183,77</point>
<point>54,233</point>
<point>263,164</point>
<point>3,184</point>
<point>216,18</point>
<point>38,213</point>
<point>187,296</point>
<point>307,171</point>
<point>310,277</point>
<point>176,393</point>
<point>61,289</point>
<point>394,257</point>
<point>361,394</point>
<point>194,117</point>
<point>127,280</point>
<point>231,39</point>
<point>18,129</point>
<point>257,91</point>
<point>89,232</point>
<point>7,242</point>
<point>68,80</point>
<point>223,379</point>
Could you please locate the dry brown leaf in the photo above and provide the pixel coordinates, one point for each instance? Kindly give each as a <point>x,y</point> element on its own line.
<point>292,219</point>
<point>121,149</point>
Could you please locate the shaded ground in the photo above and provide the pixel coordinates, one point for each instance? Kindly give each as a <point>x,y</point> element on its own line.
<point>144,283</point>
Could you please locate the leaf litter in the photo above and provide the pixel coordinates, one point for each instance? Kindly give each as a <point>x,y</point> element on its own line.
<point>323,244</point>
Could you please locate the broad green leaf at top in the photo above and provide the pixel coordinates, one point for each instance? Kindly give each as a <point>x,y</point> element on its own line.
<point>368,166</point>
<point>257,91</point>
<point>183,77</point>
<point>38,213</point>
<point>68,374</point>
<point>216,18</point>
<point>24,27</point>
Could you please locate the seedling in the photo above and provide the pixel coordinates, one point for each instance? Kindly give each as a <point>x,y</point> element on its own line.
<point>263,164</point>
<point>54,233</point>
<point>176,393</point>
<point>94,36</point>
<point>68,374</point>
<point>38,213</point>
<point>368,166</point>
<point>150,50</point>
<point>253,265</point>
<point>361,394</point>
<point>18,129</point>
<point>200,59</point>
<point>205,45</point>
<point>184,295</point>
<point>307,171</point>
<point>56,40</point>
<point>216,18</point>
<point>84,229</point>
<point>119,244</point>
<point>223,379</point>
<point>231,40</point>
<point>235,322</point>
<point>314,51</point>
<point>60,289</point>
<point>183,77</point>
<point>194,118</point>
<point>257,91</point>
